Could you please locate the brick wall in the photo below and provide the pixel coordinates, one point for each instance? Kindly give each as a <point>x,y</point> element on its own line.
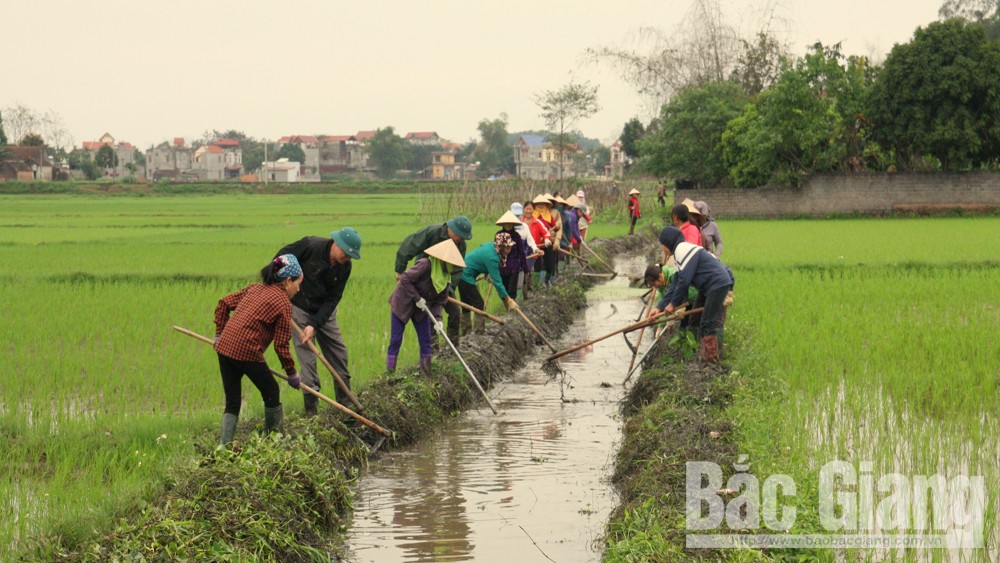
<point>855,193</point>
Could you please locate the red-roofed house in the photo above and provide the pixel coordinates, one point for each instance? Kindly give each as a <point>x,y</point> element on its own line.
<point>25,164</point>
<point>364,136</point>
<point>341,153</point>
<point>124,151</point>
<point>428,138</point>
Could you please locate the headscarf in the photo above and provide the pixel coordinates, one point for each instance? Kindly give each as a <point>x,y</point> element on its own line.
<point>703,208</point>
<point>440,274</point>
<point>542,211</point>
<point>502,240</point>
<point>670,237</point>
<point>286,266</point>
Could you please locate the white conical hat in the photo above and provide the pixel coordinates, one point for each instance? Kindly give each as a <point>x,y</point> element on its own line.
<point>690,205</point>
<point>573,201</point>
<point>447,251</point>
<point>508,218</point>
<point>541,199</point>
<point>634,192</point>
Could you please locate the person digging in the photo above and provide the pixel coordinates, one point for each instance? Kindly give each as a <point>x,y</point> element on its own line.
<point>425,285</point>
<point>326,267</point>
<point>488,258</point>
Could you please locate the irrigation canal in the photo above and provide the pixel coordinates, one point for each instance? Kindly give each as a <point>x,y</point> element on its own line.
<point>529,484</point>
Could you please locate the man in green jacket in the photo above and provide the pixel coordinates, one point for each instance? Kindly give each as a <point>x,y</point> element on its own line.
<point>459,230</point>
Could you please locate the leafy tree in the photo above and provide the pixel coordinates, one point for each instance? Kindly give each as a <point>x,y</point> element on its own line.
<point>106,157</point>
<point>494,151</point>
<point>80,160</point>
<point>939,95</point>
<point>687,142</point>
<point>292,152</point>
<point>387,152</point>
<point>631,133</point>
<point>3,136</point>
<point>562,108</point>
<point>418,157</point>
<point>32,140</point>
<point>759,64</point>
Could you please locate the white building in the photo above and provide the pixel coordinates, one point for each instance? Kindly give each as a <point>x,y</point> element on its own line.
<point>282,170</point>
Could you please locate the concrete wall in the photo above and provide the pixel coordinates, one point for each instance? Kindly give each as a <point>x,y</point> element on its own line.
<point>855,194</point>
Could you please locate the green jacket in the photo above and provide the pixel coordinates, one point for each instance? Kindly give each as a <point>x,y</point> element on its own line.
<point>668,272</point>
<point>413,247</point>
<point>484,260</point>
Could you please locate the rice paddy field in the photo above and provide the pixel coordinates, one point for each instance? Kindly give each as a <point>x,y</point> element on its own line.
<point>860,339</point>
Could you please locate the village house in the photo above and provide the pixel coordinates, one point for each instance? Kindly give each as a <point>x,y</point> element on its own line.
<point>425,138</point>
<point>443,166</point>
<point>341,153</point>
<point>310,146</point>
<point>169,161</point>
<point>532,160</point>
<point>615,168</point>
<point>124,151</point>
<point>222,160</point>
<point>27,164</point>
<point>281,170</point>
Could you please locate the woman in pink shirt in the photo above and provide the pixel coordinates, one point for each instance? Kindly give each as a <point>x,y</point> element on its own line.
<point>681,217</point>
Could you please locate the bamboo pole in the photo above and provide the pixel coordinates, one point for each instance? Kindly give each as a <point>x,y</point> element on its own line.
<point>535,328</point>
<point>639,341</point>
<point>599,259</point>
<point>304,387</point>
<point>635,326</point>
<point>468,307</point>
<point>440,329</point>
<point>322,358</point>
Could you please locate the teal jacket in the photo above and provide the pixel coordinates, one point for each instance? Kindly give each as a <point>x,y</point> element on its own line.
<point>484,260</point>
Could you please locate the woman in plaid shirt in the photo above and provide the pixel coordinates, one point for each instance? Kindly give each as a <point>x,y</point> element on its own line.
<point>263,314</point>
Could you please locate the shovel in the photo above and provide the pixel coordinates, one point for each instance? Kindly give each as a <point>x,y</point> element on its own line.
<point>440,328</point>
<point>385,433</point>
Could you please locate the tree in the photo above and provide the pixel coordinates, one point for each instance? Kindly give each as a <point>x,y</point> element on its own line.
<point>631,133</point>
<point>562,108</point>
<point>418,157</point>
<point>3,136</point>
<point>32,140</point>
<point>939,96</point>
<point>21,120</point>
<point>686,145</point>
<point>387,152</point>
<point>494,151</point>
<point>292,152</point>
<point>106,157</point>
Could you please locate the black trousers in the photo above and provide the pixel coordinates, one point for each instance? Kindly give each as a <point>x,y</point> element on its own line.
<point>550,260</point>
<point>510,284</point>
<point>259,374</point>
<point>711,317</point>
<point>471,295</point>
<point>631,227</point>
<point>455,312</point>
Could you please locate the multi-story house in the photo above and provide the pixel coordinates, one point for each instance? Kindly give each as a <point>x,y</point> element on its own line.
<point>443,166</point>
<point>168,160</point>
<point>426,138</point>
<point>311,148</point>
<point>341,153</point>
<point>124,151</point>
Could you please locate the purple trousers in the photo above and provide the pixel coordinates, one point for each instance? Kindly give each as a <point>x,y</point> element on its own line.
<point>423,327</point>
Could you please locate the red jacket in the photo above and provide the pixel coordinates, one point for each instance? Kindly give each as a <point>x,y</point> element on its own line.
<point>540,232</point>
<point>691,234</point>
<point>633,206</point>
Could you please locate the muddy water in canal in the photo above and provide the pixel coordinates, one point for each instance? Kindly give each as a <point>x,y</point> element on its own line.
<point>489,487</point>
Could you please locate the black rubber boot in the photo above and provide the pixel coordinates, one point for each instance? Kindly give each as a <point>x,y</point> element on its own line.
<point>228,429</point>
<point>425,366</point>
<point>272,419</point>
<point>311,403</point>
<point>340,395</point>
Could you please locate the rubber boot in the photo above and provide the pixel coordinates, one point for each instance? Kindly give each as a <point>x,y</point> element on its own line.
<point>541,278</point>
<point>710,349</point>
<point>340,395</point>
<point>272,419</point>
<point>228,429</point>
<point>466,324</point>
<point>390,363</point>
<point>425,366</point>
<point>311,403</point>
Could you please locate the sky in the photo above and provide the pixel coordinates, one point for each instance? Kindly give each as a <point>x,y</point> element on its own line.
<point>151,70</point>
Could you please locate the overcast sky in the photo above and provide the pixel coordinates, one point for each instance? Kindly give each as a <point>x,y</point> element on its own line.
<point>151,70</point>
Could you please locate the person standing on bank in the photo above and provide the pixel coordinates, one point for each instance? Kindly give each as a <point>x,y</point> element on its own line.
<point>680,216</point>
<point>661,194</point>
<point>633,210</point>
<point>542,229</point>
<point>701,269</point>
<point>488,258</point>
<point>585,214</point>
<point>426,283</point>
<point>326,267</point>
<point>457,229</point>
<point>711,238</point>
<point>516,264</point>
<point>262,315</point>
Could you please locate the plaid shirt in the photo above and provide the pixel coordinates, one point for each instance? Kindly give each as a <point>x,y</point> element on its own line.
<point>263,313</point>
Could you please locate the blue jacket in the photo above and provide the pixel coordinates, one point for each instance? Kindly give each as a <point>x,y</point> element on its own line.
<point>695,267</point>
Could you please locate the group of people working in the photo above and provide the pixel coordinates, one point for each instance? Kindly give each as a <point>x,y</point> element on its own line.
<point>301,288</point>
<point>692,275</point>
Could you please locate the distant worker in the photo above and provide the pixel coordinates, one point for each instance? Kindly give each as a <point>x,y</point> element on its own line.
<point>425,284</point>
<point>633,210</point>
<point>246,322</point>
<point>585,214</point>
<point>661,194</point>
<point>457,229</point>
<point>326,266</point>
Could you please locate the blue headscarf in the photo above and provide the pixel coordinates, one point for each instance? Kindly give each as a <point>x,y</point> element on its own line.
<point>287,266</point>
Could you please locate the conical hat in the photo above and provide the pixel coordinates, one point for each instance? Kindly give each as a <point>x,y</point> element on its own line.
<point>549,196</point>
<point>541,199</point>
<point>634,192</point>
<point>508,217</point>
<point>446,251</point>
<point>690,205</point>
<point>558,199</point>
<point>573,201</point>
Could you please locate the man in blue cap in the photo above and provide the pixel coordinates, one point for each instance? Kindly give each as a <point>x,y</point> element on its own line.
<point>326,267</point>
<point>459,230</point>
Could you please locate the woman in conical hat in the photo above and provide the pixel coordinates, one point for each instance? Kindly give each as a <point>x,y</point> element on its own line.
<point>633,209</point>
<point>517,260</point>
<point>425,284</point>
<point>543,231</point>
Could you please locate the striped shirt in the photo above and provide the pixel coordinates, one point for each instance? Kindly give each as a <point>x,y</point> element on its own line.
<point>263,314</point>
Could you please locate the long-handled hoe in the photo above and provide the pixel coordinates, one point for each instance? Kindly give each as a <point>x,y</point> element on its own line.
<point>385,433</point>
<point>340,382</point>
